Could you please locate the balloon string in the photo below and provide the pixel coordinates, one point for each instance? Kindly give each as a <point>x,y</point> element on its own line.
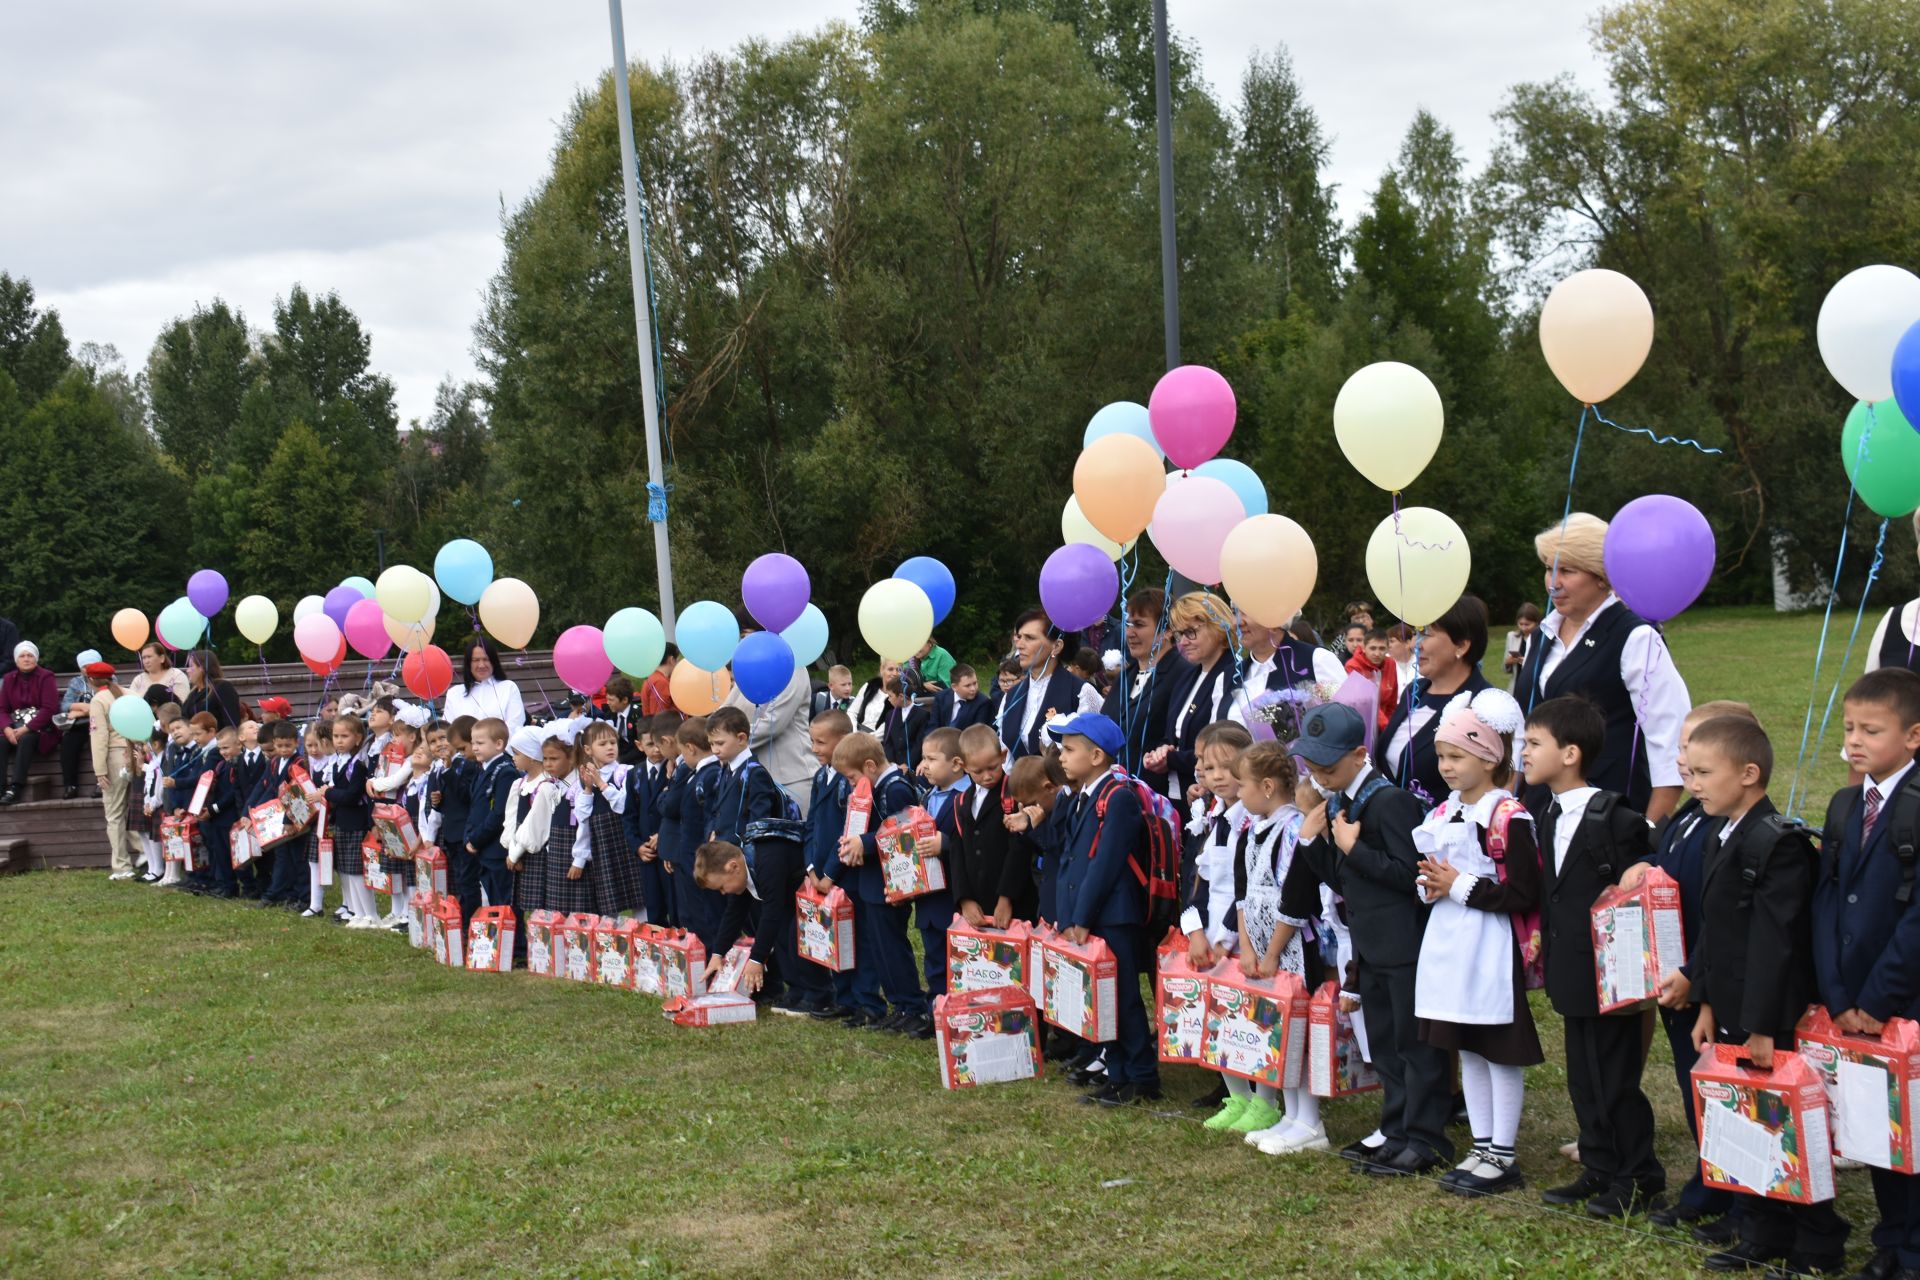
<point>1566,514</point>
<point>1642,431</point>
<point>265,679</point>
<point>1846,659</point>
<point>1412,542</point>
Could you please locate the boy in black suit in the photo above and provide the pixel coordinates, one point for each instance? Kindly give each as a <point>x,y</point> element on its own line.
<point>646,782</point>
<point>961,707</point>
<point>1753,975</point>
<point>487,810</point>
<point>450,792</point>
<point>1866,926</point>
<point>903,727</point>
<point>1588,838</point>
<point>1360,844</point>
<point>628,724</point>
<point>992,881</point>
<point>880,927</point>
<point>856,994</point>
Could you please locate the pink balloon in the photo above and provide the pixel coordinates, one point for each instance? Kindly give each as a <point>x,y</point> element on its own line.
<point>317,637</point>
<point>1191,523</point>
<point>580,659</point>
<point>366,630</point>
<point>1192,412</point>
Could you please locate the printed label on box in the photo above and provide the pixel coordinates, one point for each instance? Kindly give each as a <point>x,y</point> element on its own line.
<point>1637,940</point>
<point>1870,1083</point>
<point>1763,1133</point>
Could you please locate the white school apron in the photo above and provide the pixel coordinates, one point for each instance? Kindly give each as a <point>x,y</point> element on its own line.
<point>1465,974</point>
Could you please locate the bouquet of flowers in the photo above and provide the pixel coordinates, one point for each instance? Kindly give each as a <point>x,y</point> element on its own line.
<point>1278,714</point>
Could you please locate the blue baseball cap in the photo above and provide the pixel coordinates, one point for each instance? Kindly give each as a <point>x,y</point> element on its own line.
<point>1100,730</point>
<point>1330,732</point>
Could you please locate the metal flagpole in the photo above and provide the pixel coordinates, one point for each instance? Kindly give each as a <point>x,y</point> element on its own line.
<point>642,319</point>
<point>1169,257</point>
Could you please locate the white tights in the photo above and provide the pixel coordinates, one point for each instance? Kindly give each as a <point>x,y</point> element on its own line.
<point>357,896</point>
<point>1494,1095</point>
<point>151,847</point>
<point>1246,1089</point>
<point>316,892</point>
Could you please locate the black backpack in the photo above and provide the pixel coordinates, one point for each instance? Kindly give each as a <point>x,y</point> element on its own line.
<point>1902,819</point>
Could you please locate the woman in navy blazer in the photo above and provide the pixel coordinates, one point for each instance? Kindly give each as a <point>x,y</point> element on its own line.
<point>1204,692</point>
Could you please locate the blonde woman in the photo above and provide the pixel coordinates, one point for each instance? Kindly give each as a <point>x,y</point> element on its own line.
<point>1199,623</point>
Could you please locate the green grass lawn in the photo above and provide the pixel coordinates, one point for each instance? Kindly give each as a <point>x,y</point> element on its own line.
<point>190,1087</point>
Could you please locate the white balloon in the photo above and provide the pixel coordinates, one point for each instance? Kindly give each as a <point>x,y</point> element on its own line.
<point>1075,527</point>
<point>308,606</point>
<point>1862,320</point>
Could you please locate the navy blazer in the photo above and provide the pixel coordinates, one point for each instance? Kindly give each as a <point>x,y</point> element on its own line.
<point>349,807</point>
<point>223,798</point>
<point>1211,696</point>
<point>455,786</point>
<point>675,813</point>
<point>1680,849</point>
<point>745,795</point>
<point>1060,696</point>
<point>901,733</point>
<point>894,794</point>
<point>700,808</point>
<point>933,912</point>
<point>1866,943</point>
<point>826,817</point>
<point>487,807</point>
<point>642,816</point>
<point>976,710</point>
<point>267,786</point>
<point>1140,719</point>
<point>1096,887</point>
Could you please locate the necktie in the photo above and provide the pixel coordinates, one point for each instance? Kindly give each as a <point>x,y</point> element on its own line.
<point>1550,835</point>
<point>1871,816</point>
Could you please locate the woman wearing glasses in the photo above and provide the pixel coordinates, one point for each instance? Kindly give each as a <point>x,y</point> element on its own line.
<point>1449,653</point>
<point>1204,693</point>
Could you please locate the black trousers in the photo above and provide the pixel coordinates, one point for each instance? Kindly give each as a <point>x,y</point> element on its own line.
<point>1132,1058</point>
<point>1696,1194</point>
<point>1416,1080</point>
<point>463,878</point>
<point>495,878</point>
<point>1897,1195</point>
<point>23,753</point>
<point>74,741</point>
<point>1812,1233</point>
<point>1605,1056</point>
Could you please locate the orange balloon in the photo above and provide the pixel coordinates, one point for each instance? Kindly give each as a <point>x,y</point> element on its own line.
<point>1117,480</point>
<point>1268,565</point>
<point>129,628</point>
<point>697,692</point>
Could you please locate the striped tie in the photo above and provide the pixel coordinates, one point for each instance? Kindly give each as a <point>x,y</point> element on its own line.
<point>1871,816</point>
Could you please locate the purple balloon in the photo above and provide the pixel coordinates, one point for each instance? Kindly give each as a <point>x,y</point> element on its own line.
<point>1078,584</point>
<point>338,601</point>
<point>207,592</point>
<point>1659,555</point>
<point>775,589</point>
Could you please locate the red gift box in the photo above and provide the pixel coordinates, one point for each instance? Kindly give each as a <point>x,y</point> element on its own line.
<point>547,944</point>
<point>418,908</point>
<point>907,864</point>
<point>683,964</point>
<point>201,789</point>
<point>859,818</point>
<point>1256,1027</point>
<point>1763,1133</point>
<point>1179,1004</point>
<point>1870,1083</point>
<point>180,841</point>
<point>1637,940</point>
<point>982,959</point>
<point>1080,985</point>
<point>490,938</point>
<point>322,842</point>
<point>612,943</point>
<point>272,826</point>
<point>1336,1064</point>
<point>576,955</point>
<point>987,1037</point>
<point>824,924</point>
<point>393,831</point>
<point>716,1008</point>
<point>445,934</point>
<point>728,979</point>
<point>299,803</point>
<point>242,844</point>
<point>1037,939</point>
<point>430,869</point>
<point>377,877</point>
<point>646,978</point>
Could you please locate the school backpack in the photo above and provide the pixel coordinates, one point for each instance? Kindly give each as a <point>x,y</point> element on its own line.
<point>1900,817</point>
<point>1526,924</point>
<point>1157,864</point>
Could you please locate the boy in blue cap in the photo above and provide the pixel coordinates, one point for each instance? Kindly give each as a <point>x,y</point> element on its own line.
<point>1098,891</point>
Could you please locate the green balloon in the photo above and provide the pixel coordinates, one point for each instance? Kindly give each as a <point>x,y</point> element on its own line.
<point>1886,473</point>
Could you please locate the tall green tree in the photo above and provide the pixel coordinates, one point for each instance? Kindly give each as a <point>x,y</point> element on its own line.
<point>33,345</point>
<point>198,372</point>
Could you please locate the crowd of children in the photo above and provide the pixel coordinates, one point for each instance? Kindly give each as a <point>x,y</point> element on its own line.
<point>1302,857</point>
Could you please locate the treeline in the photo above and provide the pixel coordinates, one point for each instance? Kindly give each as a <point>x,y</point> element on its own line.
<point>898,266</point>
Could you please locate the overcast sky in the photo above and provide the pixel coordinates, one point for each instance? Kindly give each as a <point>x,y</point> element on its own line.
<point>159,155</point>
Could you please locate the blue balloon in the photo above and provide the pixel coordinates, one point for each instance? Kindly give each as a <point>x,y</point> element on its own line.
<point>1906,375</point>
<point>1240,478</point>
<point>463,569</point>
<point>933,578</point>
<point>1121,416</point>
<point>762,667</point>
<point>807,637</point>
<point>707,634</point>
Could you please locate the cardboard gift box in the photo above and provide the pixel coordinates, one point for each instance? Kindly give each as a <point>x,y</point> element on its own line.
<point>1037,939</point>
<point>1079,986</point>
<point>716,1008</point>
<point>322,842</point>
<point>490,939</point>
<point>646,978</point>
<point>1637,940</point>
<point>299,804</point>
<point>1763,1133</point>
<point>419,906</point>
<point>546,943</point>
<point>907,865</point>
<point>727,980</point>
<point>982,959</point>
<point>446,934</point>
<point>1180,1005</point>
<point>378,878</point>
<point>242,844</point>
<point>1336,1060</point>
<point>576,955</point>
<point>271,826</point>
<point>989,1036</point>
<point>859,818</point>
<point>683,964</point>
<point>1870,1083</point>
<point>201,790</point>
<point>430,869</point>
<point>393,828</point>
<point>1256,1027</point>
<point>180,841</point>
<point>612,942</point>
<point>825,927</point>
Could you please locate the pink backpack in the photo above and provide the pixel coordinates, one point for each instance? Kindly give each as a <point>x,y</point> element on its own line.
<point>1526,924</point>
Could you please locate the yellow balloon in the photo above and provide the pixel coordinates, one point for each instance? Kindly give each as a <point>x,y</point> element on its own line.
<point>697,692</point>
<point>1417,564</point>
<point>1075,527</point>
<point>1268,565</point>
<point>256,618</point>
<point>509,611</point>
<point>129,628</point>
<point>1117,479</point>
<point>1595,330</point>
<point>1387,419</point>
<point>411,637</point>
<point>896,617</point>
<point>404,593</point>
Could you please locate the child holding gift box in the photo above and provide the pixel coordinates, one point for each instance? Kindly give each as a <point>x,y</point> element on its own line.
<point>689,807</point>
<point>564,887</point>
<point>452,799</point>
<point>1866,924</point>
<point>1480,868</point>
<point>394,780</point>
<point>1588,838</point>
<point>318,743</point>
<point>1753,975</point>
<point>217,819</point>
<point>645,781</point>
<point>945,770</point>
<point>1210,921</point>
<point>279,740</point>
<point>856,995</point>
<point>599,798</point>
<point>992,868</point>
<point>487,811</point>
<point>349,818</point>
<point>881,942</point>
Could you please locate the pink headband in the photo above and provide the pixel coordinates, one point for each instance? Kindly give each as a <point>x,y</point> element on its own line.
<point>1467,731</point>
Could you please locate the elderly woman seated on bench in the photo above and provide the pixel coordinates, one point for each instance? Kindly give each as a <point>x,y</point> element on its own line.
<point>29,697</point>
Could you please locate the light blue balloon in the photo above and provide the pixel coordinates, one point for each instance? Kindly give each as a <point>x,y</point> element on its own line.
<point>708,634</point>
<point>1240,478</point>
<point>807,637</point>
<point>359,584</point>
<point>180,624</point>
<point>464,569</point>
<point>634,639</point>
<point>1122,416</point>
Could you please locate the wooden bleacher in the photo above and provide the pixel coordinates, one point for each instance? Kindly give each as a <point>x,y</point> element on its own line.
<point>43,832</point>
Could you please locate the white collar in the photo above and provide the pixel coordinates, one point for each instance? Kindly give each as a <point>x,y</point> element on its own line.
<point>1094,785</point>
<point>1352,789</point>
<point>1892,783</point>
<point>1480,812</point>
<point>701,763</point>
<point>1550,625</point>
<point>741,761</point>
<point>1574,799</point>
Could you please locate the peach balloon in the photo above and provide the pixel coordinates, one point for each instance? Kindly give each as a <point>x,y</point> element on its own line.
<point>129,628</point>
<point>1269,567</point>
<point>1118,479</point>
<point>697,692</point>
<point>1596,330</point>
